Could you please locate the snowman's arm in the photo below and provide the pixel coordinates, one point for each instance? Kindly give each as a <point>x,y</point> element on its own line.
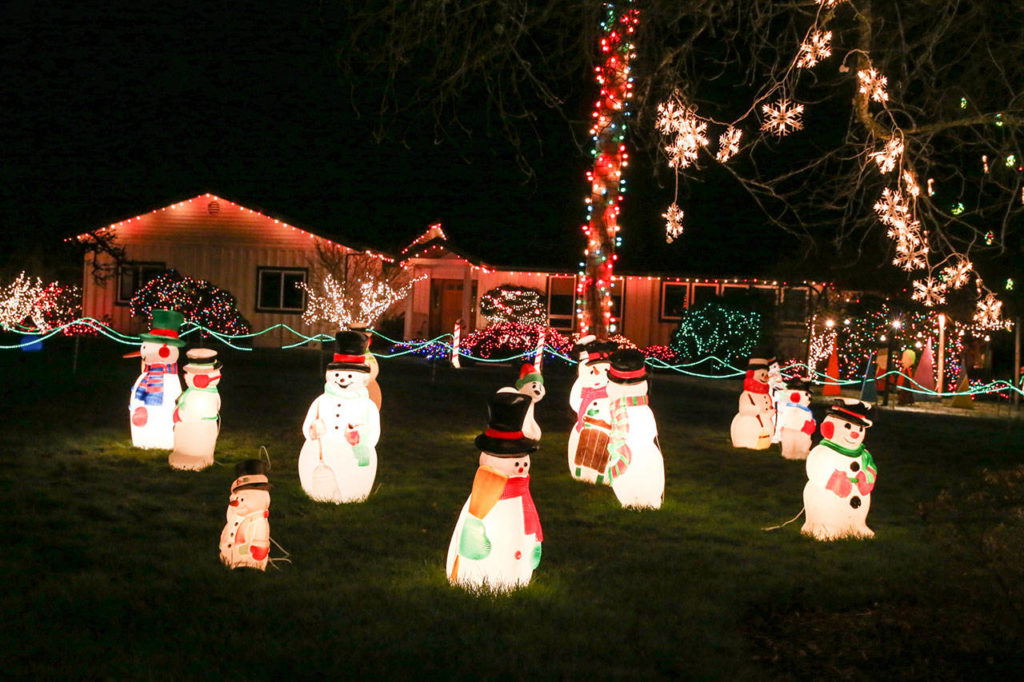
<point>488,486</point>
<point>310,418</point>
<point>371,432</point>
<point>576,396</point>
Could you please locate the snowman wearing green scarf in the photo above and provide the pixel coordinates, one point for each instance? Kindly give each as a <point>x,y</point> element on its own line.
<point>840,475</point>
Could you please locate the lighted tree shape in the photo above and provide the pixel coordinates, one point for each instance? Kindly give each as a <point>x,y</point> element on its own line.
<point>512,303</point>
<point>18,299</point>
<point>716,330</point>
<point>198,300</point>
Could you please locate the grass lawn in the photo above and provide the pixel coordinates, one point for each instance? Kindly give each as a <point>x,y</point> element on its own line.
<point>110,565</point>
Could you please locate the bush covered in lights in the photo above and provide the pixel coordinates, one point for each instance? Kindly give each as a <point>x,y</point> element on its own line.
<point>511,303</point>
<point>507,339</point>
<point>198,300</point>
<point>715,329</point>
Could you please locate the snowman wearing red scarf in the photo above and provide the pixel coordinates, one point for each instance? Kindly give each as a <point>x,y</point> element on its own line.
<point>245,539</point>
<point>497,540</point>
<point>152,400</point>
<point>754,423</point>
<point>840,475</point>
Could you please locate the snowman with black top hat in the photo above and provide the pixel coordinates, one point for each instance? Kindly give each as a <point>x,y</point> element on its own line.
<point>588,398</point>
<point>153,396</point>
<point>197,415</point>
<point>245,539</point>
<point>796,421</point>
<point>754,423</point>
<point>840,475</point>
<point>338,461</point>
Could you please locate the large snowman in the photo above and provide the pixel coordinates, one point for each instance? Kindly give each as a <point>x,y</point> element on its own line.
<point>338,461</point>
<point>636,467</point>
<point>152,400</point>
<point>754,423</point>
<point>497,540</point>
<point>796,421</point>
<point>588,398</point>
<point>197,415</point>
<point>840,475</point>
<point>245,539</point>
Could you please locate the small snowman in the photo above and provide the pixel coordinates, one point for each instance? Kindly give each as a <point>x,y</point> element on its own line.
<point>636,467</point>
<point>153,395</point>
<point>197,415</point>
<point>338,461</point>
<point>796,420</point>
<point>372,388</point>
<point>245,540</point>
<point>840,475</point>
<point>588,398</point>
<point>496,544</point>
<point>776,389</point>
<point>754,423</point>
<point>530,384</point>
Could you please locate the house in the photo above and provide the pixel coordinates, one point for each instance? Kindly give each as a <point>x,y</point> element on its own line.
<point>261,260</point>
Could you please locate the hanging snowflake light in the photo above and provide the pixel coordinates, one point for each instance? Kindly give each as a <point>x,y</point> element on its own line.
<point>873,84</point>
<point>890,156</point>
<point>892,209</point>
<point>957,274</point>
<point>673,223</point>
<point>782,118</point>
<point>909,257</point>
<point>929,291</point>
<point>988,314</point>
<point>728,144</point>
<point>829,4</point>
<point>912,187</point>
<point>687,131</point>
<point>816,48</point>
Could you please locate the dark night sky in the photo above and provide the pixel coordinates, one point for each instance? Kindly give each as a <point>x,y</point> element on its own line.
<point>115,111</point>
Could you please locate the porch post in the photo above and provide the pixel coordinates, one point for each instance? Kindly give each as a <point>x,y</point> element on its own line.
<point>468,323</point>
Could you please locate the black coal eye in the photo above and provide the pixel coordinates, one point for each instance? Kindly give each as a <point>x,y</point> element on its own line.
<point>847,426</point>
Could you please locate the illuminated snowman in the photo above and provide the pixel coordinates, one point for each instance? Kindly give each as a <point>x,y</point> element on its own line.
<point>153,396</point>
<point>636,467</point>
<point>245,540</point>
<point>588,398</point>
<point>372,388</point>
<point>497,540</point>
<point>338,461</point>
<point>776,389</point>
<point>197,415</point>
<point>754,423</point>
<point>796,419</point>
<point>530,384</point>
<point>840,475</point>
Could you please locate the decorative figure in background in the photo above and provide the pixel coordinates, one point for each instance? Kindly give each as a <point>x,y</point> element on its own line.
<point>497,540</point>
<point>151,403</point>
<point>245,540</point>
<point>905,383</point>
<point>840,475</point>
<point>372,388</point>
<point>796,419</point>
<point>588,398</point>
<point>776,389</point>
<point>753,425</point>
<point>338,461</point>
<point>197,415</point>
<point>531,384</point>
<point>636,467</point>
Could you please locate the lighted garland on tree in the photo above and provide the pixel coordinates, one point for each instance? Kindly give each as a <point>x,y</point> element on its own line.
<point>511,303</point>
<point>17,301</point>
<point>593,292</point>
<point>58,306</point>
<point>507,339</point>
<point>713,329</point>
<point>199,301</point>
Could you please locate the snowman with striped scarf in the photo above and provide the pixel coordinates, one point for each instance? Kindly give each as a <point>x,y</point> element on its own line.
<point>840,475</point>
<point>152,400</point>
<point>588,398</point>
<point>636,467</point>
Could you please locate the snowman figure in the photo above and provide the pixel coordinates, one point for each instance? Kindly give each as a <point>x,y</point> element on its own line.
<point>372,388</point>
<point>151,401</point>
<point>496,544</point>
<point>245,540</point>
<point>754,423</point>
<point>338,461</point>
<point>776,389</point>
<point>840,475</point>
<point>530,384</point>
<point>588,398</point>
<point>197,415</point>
<point>636,467</point>
<point>796,420</point>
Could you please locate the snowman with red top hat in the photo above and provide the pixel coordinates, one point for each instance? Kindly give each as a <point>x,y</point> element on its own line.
<point>796,421</point>
<point>497,540</point>
<point>338,461</point>
<point>152,400</point>
<point>840,475</point>
<point>245,539</point>
<point>588,398</point>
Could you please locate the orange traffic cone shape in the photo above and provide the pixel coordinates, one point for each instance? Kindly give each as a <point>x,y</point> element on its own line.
<point>832,373</point>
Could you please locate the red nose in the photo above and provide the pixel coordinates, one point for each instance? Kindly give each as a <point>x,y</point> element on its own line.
<point>233,503</point>
<point>854,435</point>
<point>164,351</point>
<point>794,397</point>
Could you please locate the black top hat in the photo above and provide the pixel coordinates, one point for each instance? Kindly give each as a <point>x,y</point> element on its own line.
<point>599,351</point>
<point>504,435</point>
<point>350,352</point>
<point>251,474</point>
<point>851,410</point>
<point>627,367</point>
<point>799,384</point>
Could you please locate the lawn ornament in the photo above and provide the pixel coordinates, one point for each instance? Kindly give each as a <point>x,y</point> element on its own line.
<point>754,423</point>
<point>338,461</point>
<point>245,540</point>
<point>840,475</point>
<point>372,388</point>
<point>588,398</point>
<point>497,540</point>
<point>636,467</point>
<point>531,384</point>
<point>776,388</point>
<point>197,415</point>
<point>153,395</point>
<point>796,420</point>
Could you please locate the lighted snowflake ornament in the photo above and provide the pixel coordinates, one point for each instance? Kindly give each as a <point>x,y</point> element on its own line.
<point>782,118</point>
<point>873,84</point>
<point>829,4</point>
<point>912,187</point>
<point>728,144</point>
<point>673,223</point>
<point>988,314</point>
<point>688,132</point>
<point>957,274</point>
<point>817,47</point>
<point>892,208</point>
<point>890,156</point>
<point>929,291</point>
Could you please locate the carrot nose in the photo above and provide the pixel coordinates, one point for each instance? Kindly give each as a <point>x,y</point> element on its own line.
<point>133,354</point>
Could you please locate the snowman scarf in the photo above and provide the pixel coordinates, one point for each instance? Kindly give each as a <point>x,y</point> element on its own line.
<point>519,486</point>
<point>867,462</point>
<point>621,456</point>
<point>150,390</point>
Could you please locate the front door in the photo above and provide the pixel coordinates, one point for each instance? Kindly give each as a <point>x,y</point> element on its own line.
<point>445,305</point>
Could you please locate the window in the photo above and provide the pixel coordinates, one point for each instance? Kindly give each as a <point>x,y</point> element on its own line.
<point>277,290</point>
<point>618,311</point>
<point>702,293</point>
<point>561,302</point>
<point>133,276</point>
<point>794,305</point>
<point>735,293</point>
<point>673,299</point>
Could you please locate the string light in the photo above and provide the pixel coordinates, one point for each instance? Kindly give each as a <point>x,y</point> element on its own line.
<point>18,299</point>
<point>511,303</point>
<point>353,303</point>
<point>199,301</point>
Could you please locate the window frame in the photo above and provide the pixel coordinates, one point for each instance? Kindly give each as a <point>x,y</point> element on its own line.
<point>282,270</point>
<point>571,317</point>
<point>662,315</point>
<point>136,268</point>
